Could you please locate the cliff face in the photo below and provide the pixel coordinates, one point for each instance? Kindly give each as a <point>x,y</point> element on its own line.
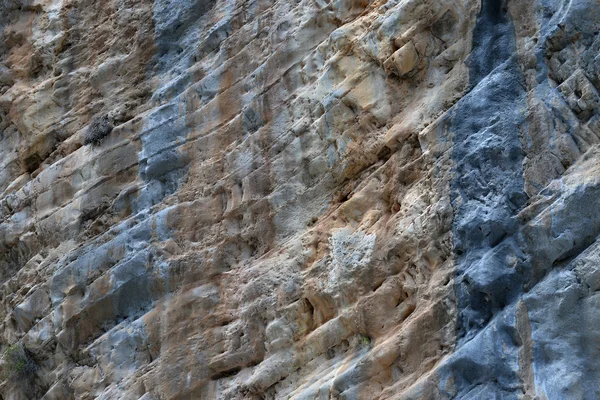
<point>307,199</point>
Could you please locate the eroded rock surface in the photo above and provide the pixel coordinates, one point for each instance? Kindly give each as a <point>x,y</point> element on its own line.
<point>308,199</point>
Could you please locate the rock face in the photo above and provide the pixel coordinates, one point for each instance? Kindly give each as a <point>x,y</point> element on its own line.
<point>306,199</point>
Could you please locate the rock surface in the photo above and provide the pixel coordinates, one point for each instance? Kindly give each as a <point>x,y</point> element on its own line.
<point>307,199</point>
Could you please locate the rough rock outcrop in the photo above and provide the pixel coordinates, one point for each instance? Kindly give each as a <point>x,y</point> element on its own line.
<point>307,199</point>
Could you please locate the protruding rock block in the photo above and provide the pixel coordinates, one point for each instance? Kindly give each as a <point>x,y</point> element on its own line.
<point>403,62</point>
<point>34,307</point>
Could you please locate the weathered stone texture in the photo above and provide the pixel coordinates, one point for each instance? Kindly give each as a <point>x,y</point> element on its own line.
<point>307,199</point>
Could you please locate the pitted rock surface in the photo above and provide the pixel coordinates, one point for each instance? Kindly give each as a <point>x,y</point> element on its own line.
<point>306,199</point>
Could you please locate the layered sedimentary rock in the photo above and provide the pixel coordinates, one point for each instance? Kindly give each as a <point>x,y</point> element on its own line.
<point>308,199</point>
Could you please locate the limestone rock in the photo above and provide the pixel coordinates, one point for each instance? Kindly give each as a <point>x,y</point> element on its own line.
<point>404,61</point>
<point>344,199</point>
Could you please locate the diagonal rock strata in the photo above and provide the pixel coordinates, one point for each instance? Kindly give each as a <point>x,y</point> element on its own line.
<point>310,199</point>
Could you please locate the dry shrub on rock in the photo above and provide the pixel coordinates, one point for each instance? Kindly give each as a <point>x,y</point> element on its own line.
<point>99,128</point>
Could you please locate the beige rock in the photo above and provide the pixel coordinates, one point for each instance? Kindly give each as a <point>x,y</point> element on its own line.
<point>404,61</point>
